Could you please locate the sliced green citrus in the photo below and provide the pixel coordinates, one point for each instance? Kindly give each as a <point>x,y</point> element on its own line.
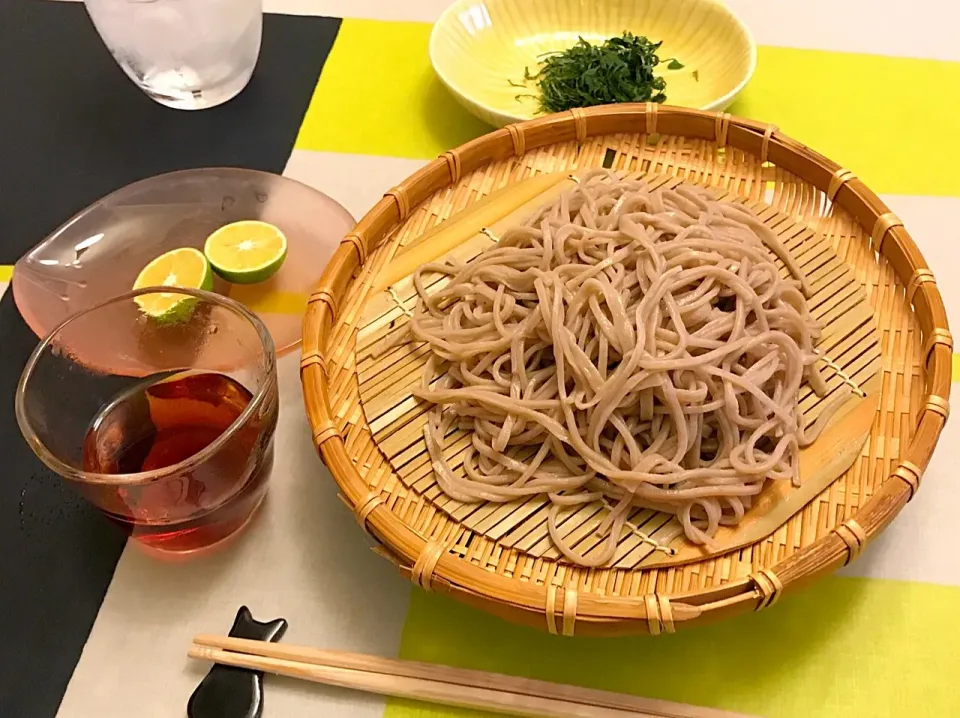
<point>246,252</point>
<point>185,267</point>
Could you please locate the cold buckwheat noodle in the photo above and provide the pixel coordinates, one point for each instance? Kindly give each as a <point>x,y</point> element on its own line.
<point>626,345</point>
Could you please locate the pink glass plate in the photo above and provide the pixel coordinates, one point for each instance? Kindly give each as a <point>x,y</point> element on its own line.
<point>98,254</point>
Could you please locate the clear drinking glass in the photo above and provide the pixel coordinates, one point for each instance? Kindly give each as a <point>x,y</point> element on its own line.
<point>163,421</point>
<point>187,54</point>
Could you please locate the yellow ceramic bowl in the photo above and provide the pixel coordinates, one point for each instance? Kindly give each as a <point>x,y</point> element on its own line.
<point>479,46</point>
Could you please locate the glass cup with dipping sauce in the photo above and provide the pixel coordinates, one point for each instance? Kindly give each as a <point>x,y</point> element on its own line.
<point>160,407</point>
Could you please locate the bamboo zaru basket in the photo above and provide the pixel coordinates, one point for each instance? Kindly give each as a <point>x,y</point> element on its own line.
<point>442,550</point>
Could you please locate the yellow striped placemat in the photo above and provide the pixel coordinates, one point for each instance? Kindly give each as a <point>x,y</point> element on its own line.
<point>892,120</point>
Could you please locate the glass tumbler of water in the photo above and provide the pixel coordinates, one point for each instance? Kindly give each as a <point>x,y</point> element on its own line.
<point>186,54</point>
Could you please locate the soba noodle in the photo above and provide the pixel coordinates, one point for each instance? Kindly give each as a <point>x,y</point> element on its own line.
<point>633,346</point>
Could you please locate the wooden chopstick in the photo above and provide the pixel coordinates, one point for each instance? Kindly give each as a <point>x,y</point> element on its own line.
<point>435,683</point>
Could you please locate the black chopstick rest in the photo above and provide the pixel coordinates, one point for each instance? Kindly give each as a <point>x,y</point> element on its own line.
<point>229,692</point>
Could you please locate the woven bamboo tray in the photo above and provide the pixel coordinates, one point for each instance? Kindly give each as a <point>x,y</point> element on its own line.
<point>745,159</point>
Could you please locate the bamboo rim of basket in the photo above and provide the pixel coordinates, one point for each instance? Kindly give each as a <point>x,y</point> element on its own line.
<point>432,567</point>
